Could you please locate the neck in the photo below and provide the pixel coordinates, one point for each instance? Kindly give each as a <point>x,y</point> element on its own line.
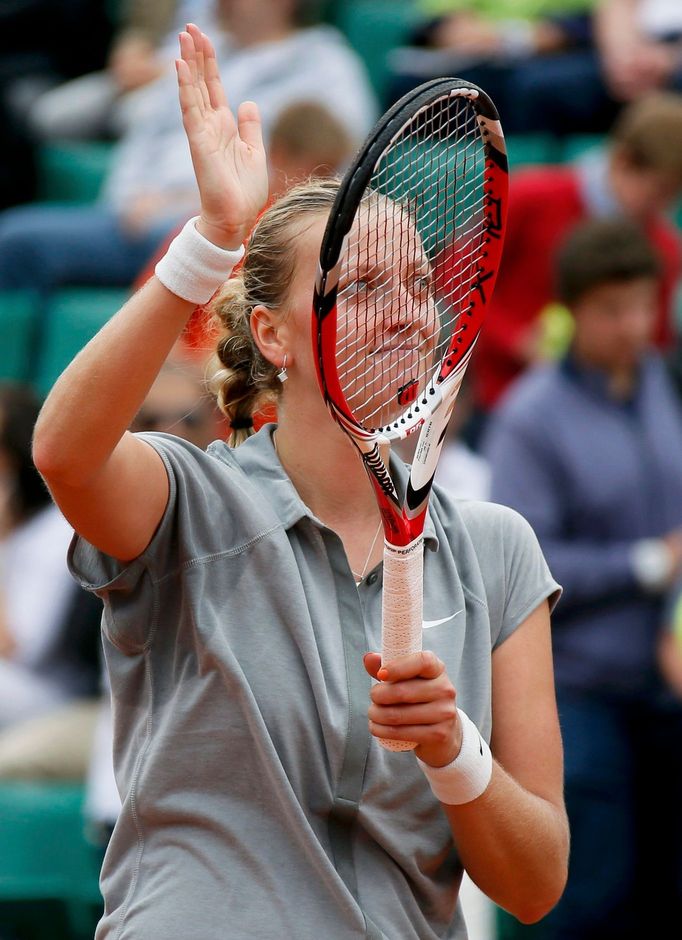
<point>621,380</point>
<point>329,476</point>
<point>325,467</point>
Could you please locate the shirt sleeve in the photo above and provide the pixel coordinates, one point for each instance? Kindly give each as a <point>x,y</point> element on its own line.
<point>515,576</point>
<point>128,589</point>
<point>527,578</point>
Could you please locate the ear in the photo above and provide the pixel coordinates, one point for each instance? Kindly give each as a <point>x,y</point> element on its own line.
<point>268,334</point>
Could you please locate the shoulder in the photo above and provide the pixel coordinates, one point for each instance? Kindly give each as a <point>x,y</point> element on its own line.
<point>492,530</point>
<point>498,559</point>
<point>187,462</point>
<point>493,524</point>
<point>211,484</point>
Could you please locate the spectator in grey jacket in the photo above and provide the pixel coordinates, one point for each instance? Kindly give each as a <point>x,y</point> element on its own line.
<point>589,450</point>
<point>267,56</point>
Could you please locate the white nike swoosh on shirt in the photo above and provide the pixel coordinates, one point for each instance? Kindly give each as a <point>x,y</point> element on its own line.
<point>427,624</point>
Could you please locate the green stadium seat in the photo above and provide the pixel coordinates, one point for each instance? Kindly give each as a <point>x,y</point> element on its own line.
<point>72,171</point>
<point>19,314</point>
<point>578,144</point>
<point>373,28</point>
<point>531,149</point>
<point>72,318</point>
<point>48,872</point>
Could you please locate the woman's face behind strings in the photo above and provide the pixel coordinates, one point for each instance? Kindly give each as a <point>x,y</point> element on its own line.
<point>388,324</point>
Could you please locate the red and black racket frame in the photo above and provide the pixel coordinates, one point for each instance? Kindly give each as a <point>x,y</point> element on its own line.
<point>404,519</point>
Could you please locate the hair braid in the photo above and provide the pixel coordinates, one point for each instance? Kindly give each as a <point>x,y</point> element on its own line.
<point>243,380</point>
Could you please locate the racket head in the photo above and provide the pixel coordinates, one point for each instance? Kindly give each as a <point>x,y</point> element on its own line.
<point>407,263</point>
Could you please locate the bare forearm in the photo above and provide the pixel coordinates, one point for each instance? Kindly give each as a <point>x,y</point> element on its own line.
<point>97,396</point>
<point>514,845</point>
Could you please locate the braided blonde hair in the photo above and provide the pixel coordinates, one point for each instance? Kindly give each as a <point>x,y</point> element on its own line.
<point>243,380</point>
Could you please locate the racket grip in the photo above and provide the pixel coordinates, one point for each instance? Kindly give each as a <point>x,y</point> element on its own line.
<point>402,607</point>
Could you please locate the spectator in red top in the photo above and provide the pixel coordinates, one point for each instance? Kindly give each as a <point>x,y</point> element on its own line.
<point>638,176</point>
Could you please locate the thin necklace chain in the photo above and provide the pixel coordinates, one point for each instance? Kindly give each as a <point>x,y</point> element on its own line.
<point>358,577</point>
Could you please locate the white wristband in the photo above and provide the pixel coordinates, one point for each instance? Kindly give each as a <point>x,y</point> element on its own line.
<point>193,267</point>
<point>469,773</point>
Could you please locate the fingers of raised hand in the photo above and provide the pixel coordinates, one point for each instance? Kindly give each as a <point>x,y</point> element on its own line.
<point>188,54</point>
<point>249,125</point>
<point>199,41</point>
<point>192,53</point>
<point>191,100</point>
<point>216,92</point>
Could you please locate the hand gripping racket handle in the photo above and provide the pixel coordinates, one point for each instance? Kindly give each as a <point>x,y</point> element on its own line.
<point>402,609</point>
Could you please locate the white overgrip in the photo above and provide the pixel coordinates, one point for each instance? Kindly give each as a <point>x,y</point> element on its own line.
<point>402,609</point>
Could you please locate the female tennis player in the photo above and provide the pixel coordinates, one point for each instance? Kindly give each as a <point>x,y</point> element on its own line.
<point>242,592</point>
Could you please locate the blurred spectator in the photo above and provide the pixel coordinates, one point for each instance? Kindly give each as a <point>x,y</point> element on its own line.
<point>306,140</point>
<point>179,403</point>
<point>637,50</point>
<point>264,55</point>
<point>640,42</point>
<point>40,45</point>
<point>589,450</point>
<point>639,176</point>
<point>102,104</point>
<point>48,626</point>
<point>491,43</point>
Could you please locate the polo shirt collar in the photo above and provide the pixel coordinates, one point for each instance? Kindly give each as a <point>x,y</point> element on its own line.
<point>258,459</point>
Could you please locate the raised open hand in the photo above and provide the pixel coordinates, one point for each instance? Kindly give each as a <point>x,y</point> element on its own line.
<point>228,155</point>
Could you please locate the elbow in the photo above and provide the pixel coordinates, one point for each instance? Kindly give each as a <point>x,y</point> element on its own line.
<point>541,902</point>
<point>43,455</point>
<point>53,461</point>
<point>48,457</point>
<point>534,914</point>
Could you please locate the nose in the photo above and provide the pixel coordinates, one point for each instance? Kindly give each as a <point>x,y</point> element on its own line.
<point>407,306</point>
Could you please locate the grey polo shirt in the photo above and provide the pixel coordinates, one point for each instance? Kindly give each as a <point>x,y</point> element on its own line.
<point>255,802</point>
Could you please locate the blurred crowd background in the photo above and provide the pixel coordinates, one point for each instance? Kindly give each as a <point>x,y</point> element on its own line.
<point>572,413</point>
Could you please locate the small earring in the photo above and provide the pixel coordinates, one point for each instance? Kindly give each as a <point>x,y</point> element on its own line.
<point>282,374</point>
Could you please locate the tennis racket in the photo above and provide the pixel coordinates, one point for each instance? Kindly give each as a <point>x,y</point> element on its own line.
<point>407,264</point>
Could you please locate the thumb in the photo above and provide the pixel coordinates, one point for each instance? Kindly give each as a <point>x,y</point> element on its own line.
<point>372,663</point>
<point>249,124</point>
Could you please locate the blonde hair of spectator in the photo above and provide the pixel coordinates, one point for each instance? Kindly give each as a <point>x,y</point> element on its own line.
<point>306,139</point>
<point>243,381</point>
<point>648,134</point>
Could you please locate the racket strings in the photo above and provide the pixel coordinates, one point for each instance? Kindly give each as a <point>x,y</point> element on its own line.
<point>412,261</point>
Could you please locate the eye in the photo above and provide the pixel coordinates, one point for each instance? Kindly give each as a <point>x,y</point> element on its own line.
<point>421,284</point>
<point>358,286</point>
